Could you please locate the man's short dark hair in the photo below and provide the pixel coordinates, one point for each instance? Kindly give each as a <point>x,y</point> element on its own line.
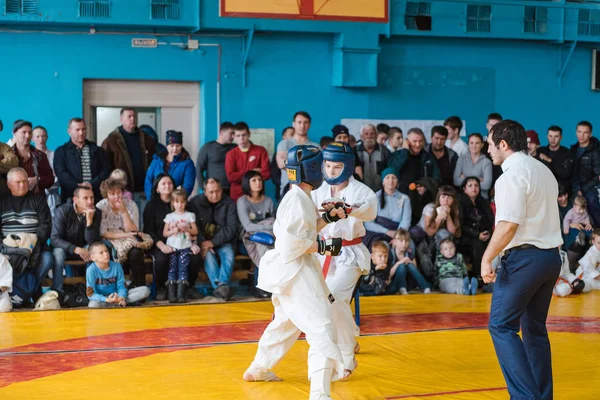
<point>585,123</point>
<point>440,130</point>
<point>40,127</point>
<point>418,131</point>
<point>556,128</point>
<point>383,128</point>
<point>454,122</point>
<point>494,115</point>
<point>75,119</point>
<point>512,133</point>
<point>206,182</point>
<point>325,141</point>
<point>562,189</point>
<point>127,109</point>
<point>394,129</point>
<point>79,189</point>
<point>304,114</point>
<point>285,129</point>
<point>225,126</point>
<point>241,126</point>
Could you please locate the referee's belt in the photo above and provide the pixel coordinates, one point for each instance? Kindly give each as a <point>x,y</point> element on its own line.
<point>345,243</point>
<point>521,247</point>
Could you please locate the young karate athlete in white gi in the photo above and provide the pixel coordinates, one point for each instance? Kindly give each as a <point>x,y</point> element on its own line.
<point>343,272</point>
<point>292,272</point>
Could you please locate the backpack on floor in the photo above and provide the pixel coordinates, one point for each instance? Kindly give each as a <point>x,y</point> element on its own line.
<point>24,287</point>
<point>75,296</point>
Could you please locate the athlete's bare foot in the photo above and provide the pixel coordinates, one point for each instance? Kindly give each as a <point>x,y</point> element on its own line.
<point>256,375</point>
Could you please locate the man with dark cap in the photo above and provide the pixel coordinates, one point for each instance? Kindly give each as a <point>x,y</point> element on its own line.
<point>533,142</point>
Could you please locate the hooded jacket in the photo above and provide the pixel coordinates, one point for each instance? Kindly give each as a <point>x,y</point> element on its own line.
<point>181,169</point>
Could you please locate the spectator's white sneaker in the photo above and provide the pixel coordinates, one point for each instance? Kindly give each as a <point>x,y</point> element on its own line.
<point>253,374</point>
<point>403,291</point>
<point>427,291</point>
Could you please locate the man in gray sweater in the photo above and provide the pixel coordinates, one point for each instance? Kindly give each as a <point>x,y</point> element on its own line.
<point>211,158</point>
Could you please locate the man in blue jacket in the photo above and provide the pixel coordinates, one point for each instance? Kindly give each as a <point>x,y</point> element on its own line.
<point>80,162</point>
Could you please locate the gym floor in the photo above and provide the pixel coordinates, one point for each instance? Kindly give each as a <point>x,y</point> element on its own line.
<point>418,346</point>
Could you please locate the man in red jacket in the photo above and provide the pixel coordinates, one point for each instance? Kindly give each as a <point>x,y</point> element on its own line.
<point>245,157</point>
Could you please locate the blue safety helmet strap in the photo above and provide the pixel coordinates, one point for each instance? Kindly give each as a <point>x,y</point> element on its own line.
<point>304,164</point>
<point>339,152</point>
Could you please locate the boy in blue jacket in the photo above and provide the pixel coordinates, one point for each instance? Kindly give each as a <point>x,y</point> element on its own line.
<point>105,281</point>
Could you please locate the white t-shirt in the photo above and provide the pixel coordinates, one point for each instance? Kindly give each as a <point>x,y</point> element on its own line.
<point>526,195</point>
<point>181,240</point>
<point>459,147</point>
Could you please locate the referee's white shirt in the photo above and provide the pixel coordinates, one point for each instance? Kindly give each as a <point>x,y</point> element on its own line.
<point>527,194</point>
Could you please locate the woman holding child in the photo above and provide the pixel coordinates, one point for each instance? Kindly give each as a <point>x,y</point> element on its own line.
<point>154,214</point>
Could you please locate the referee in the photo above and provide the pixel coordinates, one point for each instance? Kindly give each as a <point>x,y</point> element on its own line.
<point>528,231</point>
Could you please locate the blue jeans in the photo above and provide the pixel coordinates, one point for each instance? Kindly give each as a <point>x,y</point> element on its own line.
<point>521,298</point>
<point>46,263</point>
<point>593,206</point>
<point>399,280</point>
<point>219,273</point>
<point>569,238</point>
<point>139,198</point>
<point>60,256</point>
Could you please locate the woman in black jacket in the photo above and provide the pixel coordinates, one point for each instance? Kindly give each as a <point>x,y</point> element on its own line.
<point>154,214</point>
<point>476,221</point>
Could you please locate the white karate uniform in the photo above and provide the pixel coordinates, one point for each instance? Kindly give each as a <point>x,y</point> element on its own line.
<point>588,269</point>
<point>353,261</point>
<point>300,295</point>
<point>563,286</point>
<point>6,279</point>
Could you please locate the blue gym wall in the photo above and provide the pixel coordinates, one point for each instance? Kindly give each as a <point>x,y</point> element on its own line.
<point>293,65</point>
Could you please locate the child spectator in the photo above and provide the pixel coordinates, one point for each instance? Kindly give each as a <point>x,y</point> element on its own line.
<point>405,264</point>
<point>120,175</point>
<point>567,282</point>
<point>588,270</point>
<point>377,281</point>
<point>577,222</point>
<point>451,274</point>
<point>105,281</point>
<point>180,225</point>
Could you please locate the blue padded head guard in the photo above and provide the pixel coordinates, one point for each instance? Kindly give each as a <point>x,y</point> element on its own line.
<point>304,164</point>
<point>339,152</point>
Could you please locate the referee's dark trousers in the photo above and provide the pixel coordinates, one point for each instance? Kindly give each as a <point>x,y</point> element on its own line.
<point>521,298</point>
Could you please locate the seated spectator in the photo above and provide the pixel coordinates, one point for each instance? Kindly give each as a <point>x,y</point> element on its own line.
<point>8,160</point>
<point>476,222</point>
<point>451,271</point>
<point>474,163</point>
<point>175,162</point>
<point>24,212</point>
<point>421,193</point>
<point>34,162</point>
<point>180,226</point>
<point>218,227</point>
<point>105,282</point>
<point>155,212</point>
<point>577,222</point>
<point>567,283</point>
<point>589,270</point>
<point>394,211</point>
<point>76,225</point>
<point>119,221</point>
<point>405,264</point>
<point>564,205</point>
<point>256,213</point>
<point>80,162</point>
<point>245,157</point>
<point>120,176</point>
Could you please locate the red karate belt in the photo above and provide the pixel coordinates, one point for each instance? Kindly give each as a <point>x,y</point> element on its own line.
<point>345,243</point>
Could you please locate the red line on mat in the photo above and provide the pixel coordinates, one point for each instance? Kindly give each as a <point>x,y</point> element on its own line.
<point>445,393</point>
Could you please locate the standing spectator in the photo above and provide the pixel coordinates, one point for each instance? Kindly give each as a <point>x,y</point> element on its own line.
<point>413,163</point>
<point>80,162</point>
<point>75,226</point>
<point>395,139</point>
<point>287,133</point>
<point>373,156</point>
<point>174,161</point>
<point>211,157</point>
<point>245,157</point>
<point>474,164</point>
<point>586,169</point>
<point>32,160</point>
<point>341,134</point>
<point>131,150</point>
<point>218,228</point>
<point>382,133</point>
<point>446,158</point>
<point>556,157</point>
<point>147,129</point>
<point>40,137</point>
<point>533,143</point>
<point>8,160</point>
<point>301,123</point>
<point>492,120</point>
<point>454,125</point>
